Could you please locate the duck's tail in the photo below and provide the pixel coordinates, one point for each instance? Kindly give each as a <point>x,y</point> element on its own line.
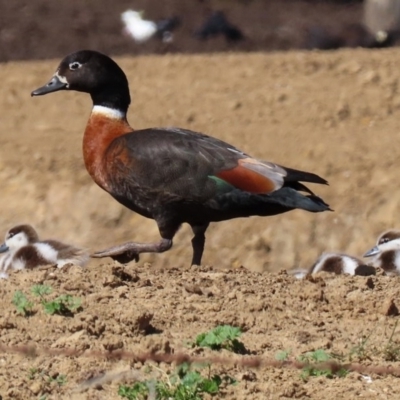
<point>295,175</point>
<point>291,198</point>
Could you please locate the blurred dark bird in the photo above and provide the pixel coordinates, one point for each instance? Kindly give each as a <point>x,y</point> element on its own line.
<point>218,24</point>
<point>166,26</point>
<point>382,16</point>
<point>351,35</point>
<point>171,175</point>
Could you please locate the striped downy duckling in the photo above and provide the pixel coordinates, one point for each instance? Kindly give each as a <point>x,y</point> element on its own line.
<point>24,250</point>
<point>337,263</point>
<point>386,253</point>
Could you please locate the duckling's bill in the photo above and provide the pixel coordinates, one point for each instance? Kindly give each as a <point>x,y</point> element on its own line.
<point>372,252</point>
<point>3,248</point>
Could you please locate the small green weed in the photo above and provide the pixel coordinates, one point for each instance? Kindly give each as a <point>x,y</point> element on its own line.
<point>360,352</point>
<point>21,302</point>
<point>282,355</point>
<point>41,290</point>
<point>46,377</point>
<point>137,391</point>
<point>32,373</point>
<point>62,305</point>
<point>317,357</point>
<point>184,384</point>
<point>59,379</point>
<point>391,352</point>
<point>222,337</point>
<point>368,349</point>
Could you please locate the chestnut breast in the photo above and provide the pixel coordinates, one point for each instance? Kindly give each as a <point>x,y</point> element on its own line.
<point>100,132</point>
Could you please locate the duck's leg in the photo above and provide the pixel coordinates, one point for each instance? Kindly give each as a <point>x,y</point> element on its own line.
<point>198,241</point>
<point>130,251</point>
<point>127,252</point>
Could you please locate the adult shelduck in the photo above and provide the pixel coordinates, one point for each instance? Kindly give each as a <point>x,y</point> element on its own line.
<point>171,175</point>
<point>24,250</point>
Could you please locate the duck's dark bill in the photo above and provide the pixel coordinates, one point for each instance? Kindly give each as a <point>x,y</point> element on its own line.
<point>52,86</point>
<point>372,252</point>
<point>3,248</point>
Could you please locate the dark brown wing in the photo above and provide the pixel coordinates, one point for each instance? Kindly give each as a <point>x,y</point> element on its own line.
<point>189,164</point>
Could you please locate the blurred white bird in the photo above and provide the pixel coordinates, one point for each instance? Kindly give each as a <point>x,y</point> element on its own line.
<point>138,28</point>
<point>142,30</point>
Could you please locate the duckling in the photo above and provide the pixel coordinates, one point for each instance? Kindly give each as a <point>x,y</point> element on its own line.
<point>24,250</point>
<point>337,263</point>
<point>340,263</point>
<point>386,253</point>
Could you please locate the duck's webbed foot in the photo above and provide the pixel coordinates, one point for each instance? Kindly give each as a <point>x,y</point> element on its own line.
<point>130,251</point>
<point>125,258</point>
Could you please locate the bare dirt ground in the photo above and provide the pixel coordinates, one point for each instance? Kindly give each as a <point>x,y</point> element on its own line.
<point>336,114</point>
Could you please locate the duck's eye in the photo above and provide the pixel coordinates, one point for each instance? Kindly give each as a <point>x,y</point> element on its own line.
<point>384,240</point>
<point>75,65</point>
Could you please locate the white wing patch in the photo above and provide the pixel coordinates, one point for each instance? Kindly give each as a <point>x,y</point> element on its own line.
<point>5,262</point>
<point>3,275</point>
<point>18,264</point>
<point>47,252</point>
<point>397,263</point>
<point>271,171</point>
<point>349,265</point>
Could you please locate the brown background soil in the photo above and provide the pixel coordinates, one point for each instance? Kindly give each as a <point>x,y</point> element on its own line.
<point>336,114</point>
